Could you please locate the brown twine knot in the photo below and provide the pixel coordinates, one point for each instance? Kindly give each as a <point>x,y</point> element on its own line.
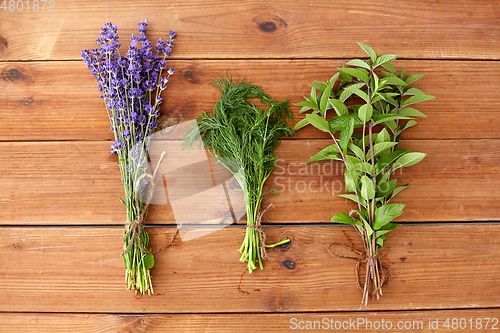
<point>365,257</point>
<point>260,230</point>
<point>134,227</point>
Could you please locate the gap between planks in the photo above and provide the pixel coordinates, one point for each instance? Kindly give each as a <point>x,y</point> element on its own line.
<point>284,225</point>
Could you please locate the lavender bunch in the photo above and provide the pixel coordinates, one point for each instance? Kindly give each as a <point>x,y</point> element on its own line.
<point>131,86</point>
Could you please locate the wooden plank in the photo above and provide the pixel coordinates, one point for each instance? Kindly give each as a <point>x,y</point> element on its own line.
<point>451,184</point>
<point>59,100</point>
<point>78,183</point>
<point>415,321</point>
<point>80,270</point>
<point>260,29</point>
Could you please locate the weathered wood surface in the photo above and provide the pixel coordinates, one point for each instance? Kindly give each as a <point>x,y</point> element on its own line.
<point>60,100</point>
<point>262,29</point>
<point>78,183</point>
<point>415,321</point>
<point>80,270</point>
<point>56,170</point>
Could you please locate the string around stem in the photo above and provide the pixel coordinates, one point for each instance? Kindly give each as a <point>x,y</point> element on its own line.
<point>365,259</point>
<point>134,227</point>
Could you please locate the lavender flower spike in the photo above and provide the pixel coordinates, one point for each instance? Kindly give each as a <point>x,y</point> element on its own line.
<point>130,86</point>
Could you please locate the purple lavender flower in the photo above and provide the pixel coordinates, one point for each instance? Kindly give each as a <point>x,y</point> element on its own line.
<point>148,108</point>
<point>148,86</point>
<point>116,146</point>
<point>142,120</point>
<point>160,46</point>
<point>130,85</point>
<point>137,78</point>
<point>152,125</point>
<point>163,83</point>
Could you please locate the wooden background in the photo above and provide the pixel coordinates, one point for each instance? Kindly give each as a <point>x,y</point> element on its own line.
<point>60,232</point>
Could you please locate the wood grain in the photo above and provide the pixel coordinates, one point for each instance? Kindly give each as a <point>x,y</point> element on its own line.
<point>80,270</point>
<point>60,233</point>
<point>78,183</point>
<point>59,100</point>
<point>415,321</point>
<point>261,29</point>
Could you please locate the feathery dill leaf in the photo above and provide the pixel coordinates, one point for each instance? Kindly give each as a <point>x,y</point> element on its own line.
<point>243,137</point>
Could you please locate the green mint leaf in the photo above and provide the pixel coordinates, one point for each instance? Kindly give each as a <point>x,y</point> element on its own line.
<point>347,93</point>
<point>313,93</point>
<point>383,59</point>
<point>334,78</point>
<point>390,68</point>
<point>309,104</point>
<point>359,73</point>
<point>387,117</point>
<point>383,136</point>
<point>304,109</point>
<point>357,92</point>
<point>413,78</point>
<point>339,107</point>
<point>393,81</point>
<point>408,125</point>
<point>323,104</point>
<point>356,150</point>
<point>389,158</point>
<point>380,241</point>
<point>384,188</point>
<point>403,75</point>
<point>301,124</point>
<point>349,196</point>
<point>320,85</point>
<point>338,123</point>
<point>417,99</point>
<point>367,188</point>
<point>385,229</point>
<point>318,122</point>
<point>358,63</point>
<point>368,51</point>
<point>411,112</point>
<point>365,112</point>
<point>344,219</point>
<point>379,148</point>
<point>397,190</point>
<point>364,167</point>
<point>369,230</point>
<point>329,153</point>
<point>346,134</point>
<point>407,160</point>
<point>351,180</point>
<point>351,161</point>
<point>413,91</point>
<point>386,214</point>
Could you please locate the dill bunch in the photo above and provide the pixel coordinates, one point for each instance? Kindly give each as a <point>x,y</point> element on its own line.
<point>243,136</point>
